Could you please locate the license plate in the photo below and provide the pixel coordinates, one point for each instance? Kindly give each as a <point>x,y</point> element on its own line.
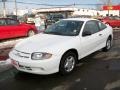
<point>15,63</point>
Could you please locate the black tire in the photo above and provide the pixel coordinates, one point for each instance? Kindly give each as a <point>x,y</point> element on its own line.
<point>67,63</point>
<point>108,45</point>
<point>30,33</point>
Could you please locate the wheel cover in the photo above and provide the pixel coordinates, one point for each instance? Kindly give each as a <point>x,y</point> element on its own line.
<point>108,44</point>
<point>69,64</point>
<point>31,33</point>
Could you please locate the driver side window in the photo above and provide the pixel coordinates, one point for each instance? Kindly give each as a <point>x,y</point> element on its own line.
<point>102,26</point>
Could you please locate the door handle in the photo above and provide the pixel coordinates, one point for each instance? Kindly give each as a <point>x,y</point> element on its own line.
<point>100,34</point>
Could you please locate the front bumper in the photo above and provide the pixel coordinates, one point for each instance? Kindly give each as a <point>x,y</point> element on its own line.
<point>47,66</point>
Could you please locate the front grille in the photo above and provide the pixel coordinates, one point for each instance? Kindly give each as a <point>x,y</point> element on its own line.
<point>24,67</point>
<point>21,54</point>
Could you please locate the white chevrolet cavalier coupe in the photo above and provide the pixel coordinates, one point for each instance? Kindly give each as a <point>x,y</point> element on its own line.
<point>61,45</point>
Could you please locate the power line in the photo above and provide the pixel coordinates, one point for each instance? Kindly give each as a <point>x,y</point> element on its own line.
<point>43,4</point>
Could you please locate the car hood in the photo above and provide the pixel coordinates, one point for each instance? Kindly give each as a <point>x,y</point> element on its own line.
<point>42,42</point>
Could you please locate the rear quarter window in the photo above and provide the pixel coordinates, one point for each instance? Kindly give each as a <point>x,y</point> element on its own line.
<point>102,26</point>
<point>91,26</point>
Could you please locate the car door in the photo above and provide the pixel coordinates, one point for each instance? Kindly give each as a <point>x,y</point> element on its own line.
<point>102,33</point>
<point>16,29</point>
<point>117,21</point>
<point>12,25</point>
<point>4,29</point>
<point>90,43</point>
<point>114,22</point>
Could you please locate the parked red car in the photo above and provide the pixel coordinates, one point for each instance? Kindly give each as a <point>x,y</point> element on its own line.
<point>112,21</point>
<point>10,28</point>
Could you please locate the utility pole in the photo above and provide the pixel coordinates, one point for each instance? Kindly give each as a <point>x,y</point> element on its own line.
<point>4,8</point>
<point>109,3</point>
<point>15,7</point>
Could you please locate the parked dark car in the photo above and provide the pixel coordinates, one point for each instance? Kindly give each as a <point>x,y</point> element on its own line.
<point>11,28</point>
<point>53,18</point>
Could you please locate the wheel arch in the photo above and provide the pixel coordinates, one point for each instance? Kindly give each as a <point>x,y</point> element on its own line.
<point>61,70</point>
<point>71,50</point>
<point>31,29</point>
<point>110,37</point>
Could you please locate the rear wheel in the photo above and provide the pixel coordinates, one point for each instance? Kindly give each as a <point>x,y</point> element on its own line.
<point>108,45</point>
<point>30,33</point>
<point>67,63</point>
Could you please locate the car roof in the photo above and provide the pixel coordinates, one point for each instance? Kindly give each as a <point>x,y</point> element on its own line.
<point>80,19</point>
<point>8,18</point>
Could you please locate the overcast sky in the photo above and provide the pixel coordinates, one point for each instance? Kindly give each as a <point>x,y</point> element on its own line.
<point>10,5</point>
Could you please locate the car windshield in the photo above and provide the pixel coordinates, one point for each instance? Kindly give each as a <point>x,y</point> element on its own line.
<point>65,27</point>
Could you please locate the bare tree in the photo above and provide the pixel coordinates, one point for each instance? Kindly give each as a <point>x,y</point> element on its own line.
<point>4,7</point>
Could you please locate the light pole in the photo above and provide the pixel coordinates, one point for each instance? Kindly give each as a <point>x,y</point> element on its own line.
<point>15,7</point>
<point>109,3</point>
<point>4,8</point>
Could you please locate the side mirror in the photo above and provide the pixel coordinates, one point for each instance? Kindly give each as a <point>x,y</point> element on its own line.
<point>86,33</point>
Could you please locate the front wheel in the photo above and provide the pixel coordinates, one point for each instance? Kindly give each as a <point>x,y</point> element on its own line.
<point>108,45</point>
<point>30,33</point>
<point>67,63</point>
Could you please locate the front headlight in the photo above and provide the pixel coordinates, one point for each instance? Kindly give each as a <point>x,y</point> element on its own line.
<point>40,56</point>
